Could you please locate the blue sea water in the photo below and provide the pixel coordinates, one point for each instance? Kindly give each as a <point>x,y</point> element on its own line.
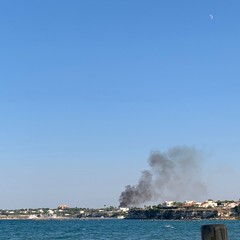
<point>109,229</point>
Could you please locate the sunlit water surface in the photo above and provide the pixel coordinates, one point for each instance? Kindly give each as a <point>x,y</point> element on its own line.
<point>109,229</point>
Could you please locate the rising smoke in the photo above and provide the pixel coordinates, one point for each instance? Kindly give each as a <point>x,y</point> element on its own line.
<point>174,174</point>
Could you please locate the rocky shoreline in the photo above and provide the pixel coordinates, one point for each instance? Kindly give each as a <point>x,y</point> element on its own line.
<point>182,214</point>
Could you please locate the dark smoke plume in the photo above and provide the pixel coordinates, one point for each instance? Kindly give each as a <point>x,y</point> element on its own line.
<point>174,174</point>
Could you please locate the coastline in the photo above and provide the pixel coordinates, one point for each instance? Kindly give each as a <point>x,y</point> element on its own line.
<point>97,219</point>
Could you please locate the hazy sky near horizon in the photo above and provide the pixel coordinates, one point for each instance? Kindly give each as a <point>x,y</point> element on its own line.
<point>89,88</point>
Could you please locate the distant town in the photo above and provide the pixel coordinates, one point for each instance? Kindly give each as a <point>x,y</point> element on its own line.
<point>187,210</point>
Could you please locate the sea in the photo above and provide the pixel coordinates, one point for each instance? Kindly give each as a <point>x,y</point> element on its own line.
<point>113,229</point>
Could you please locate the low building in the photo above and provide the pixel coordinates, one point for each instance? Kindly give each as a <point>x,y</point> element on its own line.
<point>209,204</point>
<point>230,204</point>
<point>124,209</point>
<point>168,204</point>
<point>50,212</point>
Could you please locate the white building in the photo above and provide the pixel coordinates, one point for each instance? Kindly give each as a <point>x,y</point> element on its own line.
<point>230,204</point>
<point>209,204</point>
<point>124,209</point>
<point>168,204</point>
<point>50,212</point>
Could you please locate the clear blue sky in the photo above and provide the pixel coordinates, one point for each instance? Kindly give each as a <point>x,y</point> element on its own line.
<point>89,88</point>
